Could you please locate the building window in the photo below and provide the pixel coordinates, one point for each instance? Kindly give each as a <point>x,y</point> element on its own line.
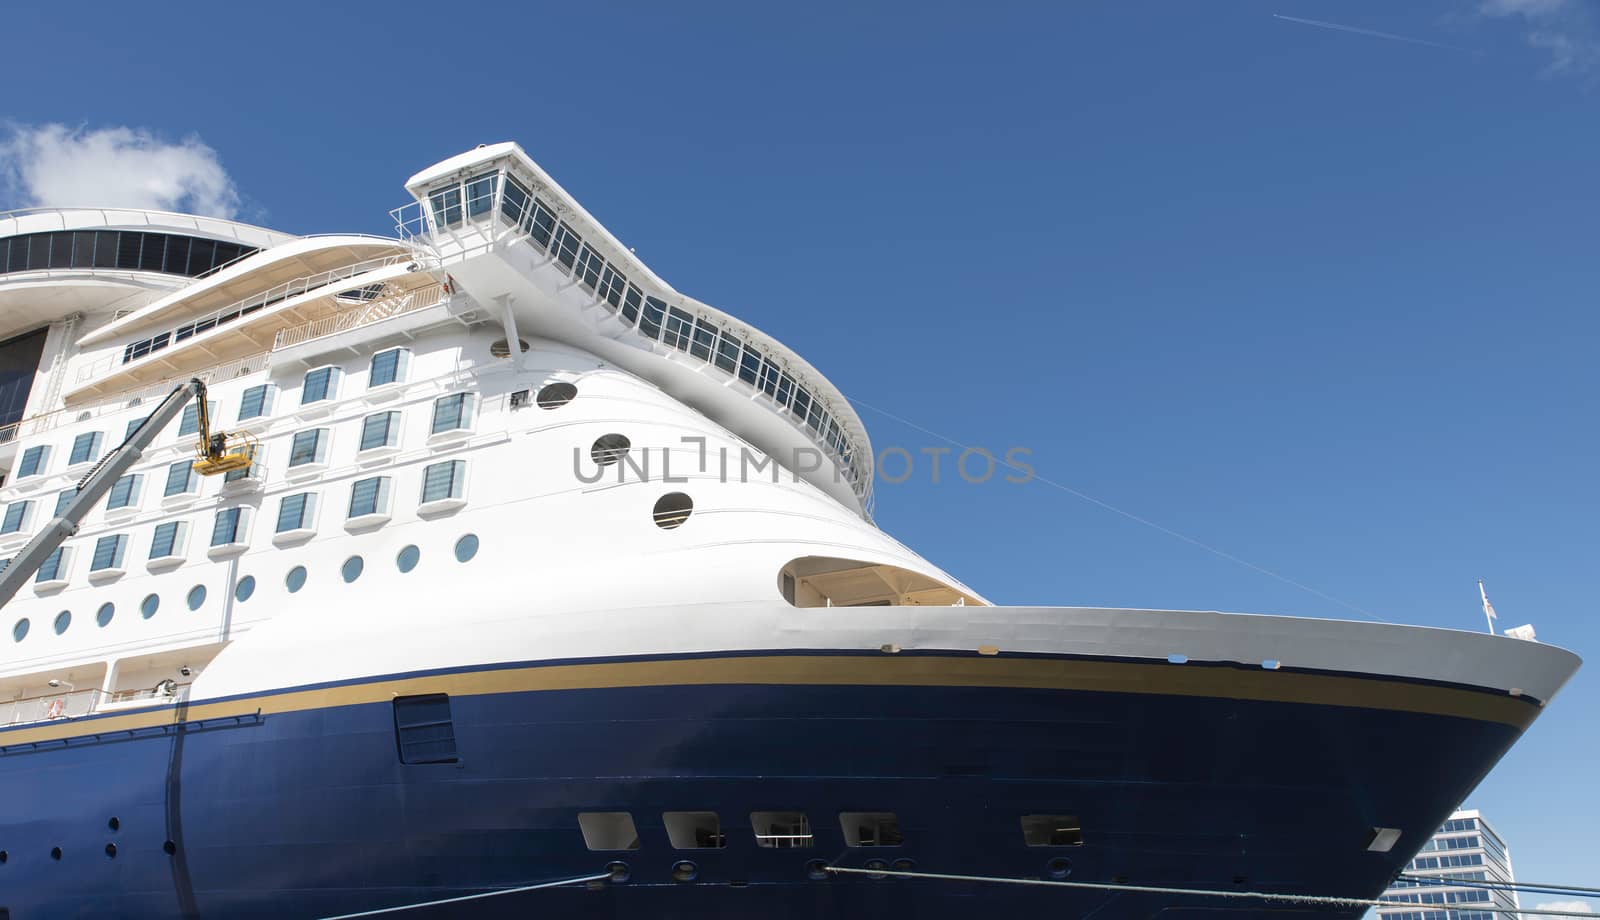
<point>133,425</point>
<point>423,729</point>
<point>297,512</point>
<point>191,417</point>
<point>34,461</point>
<point>181,479</point>
<point>380,430</point>
<point>168,540</point>
<point>108,552</point>
<point>444,481</point>
<point>230,527</point>
<point>125,493</point>
<point>63,499</point>
<point>17,517</point>
<point>309,446</point>
<point>85,448</point>
<point>451,413</point>
<point>388,367</point>
<point>256,402</point>
<point>320,384</point>
<point>253,472</point>
<point>369,497</point>
<point>55,566</point>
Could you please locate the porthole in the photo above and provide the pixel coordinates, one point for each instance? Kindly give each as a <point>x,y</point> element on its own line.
<point>296,579</point>
<point>63,620</point>
<point>407,559</point>
<point>20,631</point>
<point>105,613</point>
<point>148,606</point>
<point>609,448</point>
<point>685,871</point>
<point>114,824</point>
<point>502,348</point>
<point>467,547</point>
<point>197,597</point>
<point>351,570</point>
<point>555,395</point>
<point>672,509</point>
<point>245,588</point>
<point>111,850</point>
<point>55,852</point>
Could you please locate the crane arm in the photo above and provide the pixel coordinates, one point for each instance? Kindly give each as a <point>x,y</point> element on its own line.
<point>98,482</point>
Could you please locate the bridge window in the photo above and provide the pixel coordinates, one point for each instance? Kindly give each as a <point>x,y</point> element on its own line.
<point>480,194</point>
<point>446,205</point>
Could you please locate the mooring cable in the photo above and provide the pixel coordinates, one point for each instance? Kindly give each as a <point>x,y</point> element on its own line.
<point>1193,892</point>
<point>470,897</point>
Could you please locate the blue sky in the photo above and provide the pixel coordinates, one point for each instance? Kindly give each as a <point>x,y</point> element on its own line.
<point>1318,298</point>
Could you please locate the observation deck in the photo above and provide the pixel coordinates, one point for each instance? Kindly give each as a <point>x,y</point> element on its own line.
<point>507,234</point>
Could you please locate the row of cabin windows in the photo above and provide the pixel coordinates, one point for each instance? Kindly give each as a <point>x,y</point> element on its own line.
<point>452,412</point>
<point>702,830</point>
<point>369,499</point>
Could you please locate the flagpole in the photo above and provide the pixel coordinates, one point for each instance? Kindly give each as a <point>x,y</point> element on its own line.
<point>1488,611</point>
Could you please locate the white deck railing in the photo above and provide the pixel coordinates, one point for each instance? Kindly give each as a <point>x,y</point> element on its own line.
<point>375,312</point>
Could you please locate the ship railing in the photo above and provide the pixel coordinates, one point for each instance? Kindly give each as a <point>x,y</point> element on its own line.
<point>166,690</point>
<point>254,302</point>
<point>375,312</point>
<point>67,705</point>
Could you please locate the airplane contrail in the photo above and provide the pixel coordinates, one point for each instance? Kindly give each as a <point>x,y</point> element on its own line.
<point>1374,33</point>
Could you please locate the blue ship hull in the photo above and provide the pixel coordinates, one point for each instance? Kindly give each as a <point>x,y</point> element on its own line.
<point>296,804</point>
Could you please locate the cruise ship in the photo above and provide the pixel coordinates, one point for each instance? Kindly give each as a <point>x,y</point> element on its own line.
<point>552,588</point>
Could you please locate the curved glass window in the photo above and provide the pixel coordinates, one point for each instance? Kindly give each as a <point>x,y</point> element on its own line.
<point>555,395</point>
<point>467,547</point>
<point>407,559</point>
<point>245,588</point>
<point>351,570</point>
<point>672,509</point>
<point>148,606</point>
<point>609,448</point>
<point>129,250</point>
<point>63,620</point>
<point>105,613</point>
<point>197,597</point>
<point>296,579</point>
<point>20,631</point>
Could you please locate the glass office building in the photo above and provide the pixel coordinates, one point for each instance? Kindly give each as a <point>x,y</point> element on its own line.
<point>1454,875</point>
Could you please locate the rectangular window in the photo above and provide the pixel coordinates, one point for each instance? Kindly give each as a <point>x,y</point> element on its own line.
<point>728,349</point>
<point>443,480</point>
<point>387,367</point>
<point>781,830</point>
<point>423,730</point>
<point>191,417</point>
<point>320,384</point>
<point>33,460</point>
<point>870,829</point>
<point>108,552</point>
<point>565,245</point>
<point>632,299</point>
<point>513,200</point>
<point>125,493</point>
<point>256,402</point>
<point>168,540</point>
<point>380,430</point>
<point>181,479</point>
<point>133,425</point>
<point>694,830</point>
<point>309,447</point>
<point>85,448</point>
<point>17,516</point>
<point>55,566</point>
<point>446,204</point>
<point>451,412</point>
<point>258,461</point>
<point>650,319</point>
<point>608,830</point>
<point>297,512</point>
<point>679,327</point>
<point>369,496</point>
<point>63,499</point>
<point>540,224</point>
<point>480,194</point>
<point>228,527</point>
<point>1052,831</point>
<point>590,264</point>
<point>705,339</point>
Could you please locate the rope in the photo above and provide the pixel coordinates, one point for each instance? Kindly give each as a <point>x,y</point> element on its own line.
<point>1201,892</point>
<point>470,897</point>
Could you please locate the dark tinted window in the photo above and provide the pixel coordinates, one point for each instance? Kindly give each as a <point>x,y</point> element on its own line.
<point>423,729</point>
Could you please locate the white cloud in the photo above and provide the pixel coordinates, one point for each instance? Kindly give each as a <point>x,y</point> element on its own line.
<point>56,166</point>
<point>1577,906</point>
<point>1562,28</point>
